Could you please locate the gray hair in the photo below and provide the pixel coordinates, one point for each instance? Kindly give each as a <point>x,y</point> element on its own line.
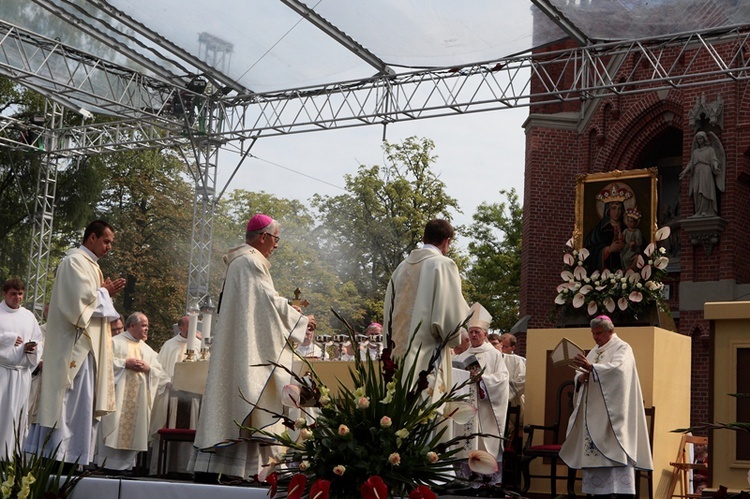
<point>602,321</point>
<point>133,319</point>
<point>252,235</point>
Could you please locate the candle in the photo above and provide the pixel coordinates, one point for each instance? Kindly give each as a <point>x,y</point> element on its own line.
<point>192,328</point>
<point>206,331</point>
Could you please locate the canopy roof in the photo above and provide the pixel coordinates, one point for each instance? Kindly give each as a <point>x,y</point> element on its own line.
<point>264,46</point>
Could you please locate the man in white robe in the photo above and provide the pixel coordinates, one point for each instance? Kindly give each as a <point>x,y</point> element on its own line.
<point>426,288</point>
<point>138,379</point>
<point>489,394</point>
<point>308,347</point>
<point>517,379</point>
<point>20,350</point>
<point>607,432</point>
<point>373,346</point>
<point>170,402</point>
<point>254,326</point>
<point>78,382</point>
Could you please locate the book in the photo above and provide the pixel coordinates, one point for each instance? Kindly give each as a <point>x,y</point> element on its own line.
<point>467,363</point>
<point>565,352</point>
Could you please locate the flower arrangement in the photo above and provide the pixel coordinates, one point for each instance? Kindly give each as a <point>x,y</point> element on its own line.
<point>31,476</point>
<point>383,438</point>
<point>604,291</point>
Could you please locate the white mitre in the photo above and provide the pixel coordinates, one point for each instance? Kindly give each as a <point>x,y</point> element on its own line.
<point>480,317</point>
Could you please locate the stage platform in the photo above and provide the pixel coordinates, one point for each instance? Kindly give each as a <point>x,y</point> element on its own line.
<point>148,488</point>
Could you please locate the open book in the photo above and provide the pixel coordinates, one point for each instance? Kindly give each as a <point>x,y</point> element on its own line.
<point>467,363</point>
<point>565,352</point>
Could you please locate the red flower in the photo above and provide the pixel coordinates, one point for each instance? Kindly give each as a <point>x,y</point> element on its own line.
<point>374,488</point>
<point>389,366</point>
<point>422,492</point>
<point>296,486</point>
<point>319,489</point>
<point>273,480</point>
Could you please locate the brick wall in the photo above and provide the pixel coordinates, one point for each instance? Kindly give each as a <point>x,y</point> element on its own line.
<point>615,136</point>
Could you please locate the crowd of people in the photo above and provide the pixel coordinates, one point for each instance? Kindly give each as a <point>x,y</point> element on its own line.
<point>100,393</point>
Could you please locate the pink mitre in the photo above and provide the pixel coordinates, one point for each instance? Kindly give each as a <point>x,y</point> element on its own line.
<point>259,221</point>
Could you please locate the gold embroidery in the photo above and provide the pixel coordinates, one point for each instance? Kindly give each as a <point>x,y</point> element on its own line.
<point>72,364</point>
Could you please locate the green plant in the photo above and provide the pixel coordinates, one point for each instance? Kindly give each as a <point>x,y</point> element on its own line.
<point>384,436</point>
<point>32,476</point>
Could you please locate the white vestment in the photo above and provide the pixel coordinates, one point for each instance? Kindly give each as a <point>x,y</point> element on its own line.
<point>312,351</point>
<point>517,386</point>
<point>490,397</point>
<point>126,431</point>
<point>607,432</point>
<point>427,289</point>
<point>254,326</point>
<point>15,372</point>
<point>77,339</point>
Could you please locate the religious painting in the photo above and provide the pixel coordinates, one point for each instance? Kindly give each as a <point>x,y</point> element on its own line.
<point>615,216</point>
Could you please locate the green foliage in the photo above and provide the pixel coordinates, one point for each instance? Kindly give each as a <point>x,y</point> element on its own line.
<point>369,230</point>
<point>494,279</point>
<point>31,476</point>
<point>146,200</point>
<point>387,427</point>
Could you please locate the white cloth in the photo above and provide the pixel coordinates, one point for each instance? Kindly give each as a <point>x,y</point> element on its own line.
<point>254,325</point>
<point>427,289</point>
<point>490,397</point>
<point>74,332</point>
<point>15,371</point>
<point>608,426</point>
<point>126,431</point>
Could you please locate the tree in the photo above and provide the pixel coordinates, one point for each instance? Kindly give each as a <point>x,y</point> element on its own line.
<point>494,278</point>
<point>370,229</point>
<point>145,199</point>
<point>78,186</point>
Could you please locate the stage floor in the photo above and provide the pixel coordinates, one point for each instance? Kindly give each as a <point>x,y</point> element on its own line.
<point>147,488</point>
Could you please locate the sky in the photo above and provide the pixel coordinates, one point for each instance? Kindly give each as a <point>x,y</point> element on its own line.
<point>478,155</point>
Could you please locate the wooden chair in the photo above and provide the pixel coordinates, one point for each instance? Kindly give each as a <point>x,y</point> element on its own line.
<point>683,465</point>
<point>550,450</point>
<point>648,474</point>
<point>167,436</point>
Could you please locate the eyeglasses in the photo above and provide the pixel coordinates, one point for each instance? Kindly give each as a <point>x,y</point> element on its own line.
<point>275,238</point>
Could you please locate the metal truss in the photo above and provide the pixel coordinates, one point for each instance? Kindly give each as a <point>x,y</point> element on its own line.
<point>146,103</point>
<point>44,212</point>
<point>156,112</point>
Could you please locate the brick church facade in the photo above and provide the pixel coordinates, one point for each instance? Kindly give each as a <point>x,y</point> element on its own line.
<point>651,129</point>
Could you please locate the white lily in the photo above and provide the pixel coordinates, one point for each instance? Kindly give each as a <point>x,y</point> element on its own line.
<point>482,462</point>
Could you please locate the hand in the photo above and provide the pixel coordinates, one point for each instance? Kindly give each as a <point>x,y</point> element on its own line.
<point>29,347</point>
<point>115,286</point>
<point>582,362</point>
<point>137,365</point>
<point>19,340</point>
<point>617,245</point>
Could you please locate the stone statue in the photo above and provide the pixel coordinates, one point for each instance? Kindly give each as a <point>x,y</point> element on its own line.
<point>707,170</point>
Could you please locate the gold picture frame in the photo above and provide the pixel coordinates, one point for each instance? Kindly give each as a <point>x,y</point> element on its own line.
<point>638,187</point>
